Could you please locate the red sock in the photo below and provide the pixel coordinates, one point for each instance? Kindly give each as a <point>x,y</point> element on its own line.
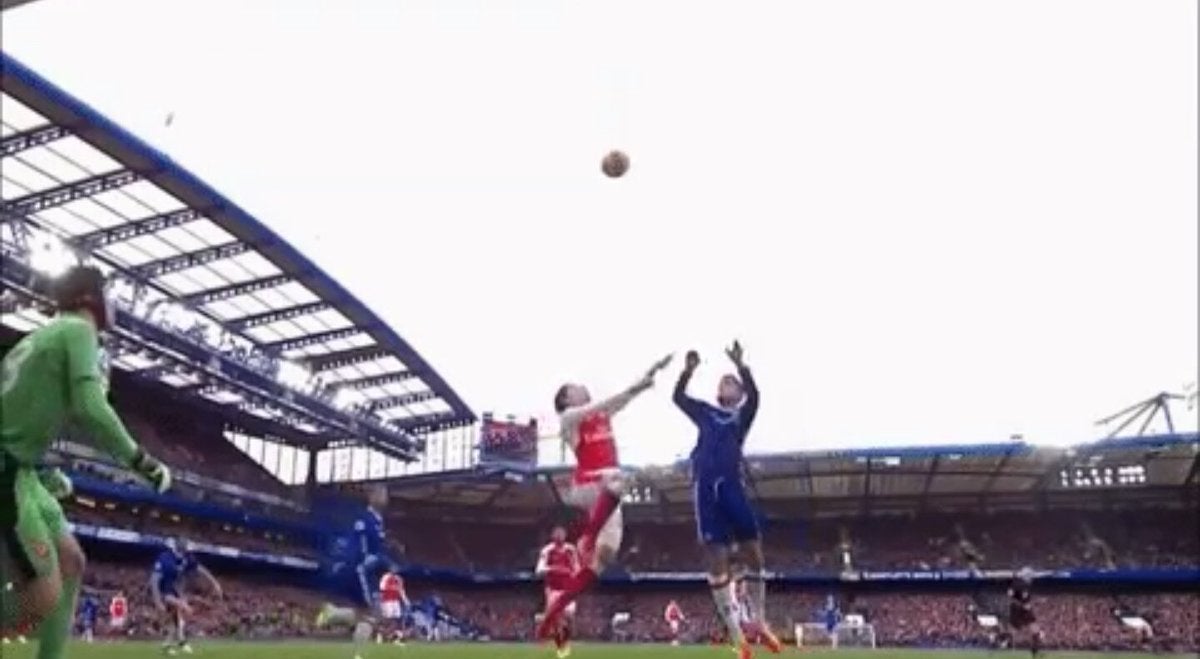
<point>605,504</point>
<point>579,583</point>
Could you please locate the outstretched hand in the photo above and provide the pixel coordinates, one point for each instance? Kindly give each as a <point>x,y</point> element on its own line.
<point>734,352</point>
<point>660,365</point>
<point>692,361</point>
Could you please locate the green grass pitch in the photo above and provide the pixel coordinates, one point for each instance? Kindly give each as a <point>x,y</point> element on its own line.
<point>325,650</point>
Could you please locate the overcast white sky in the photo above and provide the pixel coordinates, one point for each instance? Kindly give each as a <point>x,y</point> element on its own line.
<point>929,221</point>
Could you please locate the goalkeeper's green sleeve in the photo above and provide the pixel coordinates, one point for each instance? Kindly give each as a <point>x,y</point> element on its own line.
<point>92,410</point>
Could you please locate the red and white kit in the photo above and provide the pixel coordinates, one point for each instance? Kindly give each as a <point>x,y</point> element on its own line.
<point>392,598</point>
<point>588,431</point>
<point>118,612</point>
<point>674,617</point>
<point>557,563</point>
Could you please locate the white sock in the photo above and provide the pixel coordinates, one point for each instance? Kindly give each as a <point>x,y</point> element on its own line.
<point>756,587</point>
<point>723,597</point>
<point>363,632</point>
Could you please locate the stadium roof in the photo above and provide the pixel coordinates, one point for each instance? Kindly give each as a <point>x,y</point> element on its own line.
<point>1152,470</point>
<point>74,181</point>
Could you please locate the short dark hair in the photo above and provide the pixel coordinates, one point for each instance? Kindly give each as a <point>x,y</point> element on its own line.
<point>72,290</point>
<point>560,398</point>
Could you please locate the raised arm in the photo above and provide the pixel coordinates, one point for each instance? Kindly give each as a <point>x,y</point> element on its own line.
<point>693,408</point>
<point>749,386</point>
<point>616,402</point>
<point>156,587</point>
<point>89,406</point>
<point>213,585</point>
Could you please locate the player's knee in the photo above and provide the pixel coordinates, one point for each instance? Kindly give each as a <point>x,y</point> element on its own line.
<point>615,484</point>
<point>41,597</point>
<point>71,559</point>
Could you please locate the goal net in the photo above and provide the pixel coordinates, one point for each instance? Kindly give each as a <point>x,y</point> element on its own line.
<point>814,634</point>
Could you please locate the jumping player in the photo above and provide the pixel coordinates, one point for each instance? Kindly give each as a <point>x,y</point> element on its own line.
<point>1020,611</point>
<point>118,612</point>
<point>557,564</point>
<point>168,577</point>
<point>53,375</point>
<point>597,484</point>
<point>727,522</point>
<point>675,619</point>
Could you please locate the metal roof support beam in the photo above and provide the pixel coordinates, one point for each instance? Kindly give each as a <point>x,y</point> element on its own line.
<point>937,460</point>
<point>234,290</point>
<point>268,317</point>
<point>68,192</point>
<point>378,380</point>
<point>105,237</point>
<point>312,340</point>
<point>400,401</point>
<point>28,139</point>
<point>347,358</point>
<point>991,481</point>
<point>499,492</point>
<point>190,260</point>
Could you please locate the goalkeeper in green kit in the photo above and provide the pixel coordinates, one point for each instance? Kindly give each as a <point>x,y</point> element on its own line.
<point>50,377</point>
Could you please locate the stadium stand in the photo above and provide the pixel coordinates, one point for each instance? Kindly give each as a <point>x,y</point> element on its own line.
<point>265,385</point>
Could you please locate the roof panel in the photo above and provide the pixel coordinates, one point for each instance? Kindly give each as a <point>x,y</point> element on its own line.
<point>83,154</point>
<point>153,197</point>
<point>10,189</point>
<point>182,239</point>
<point>156,247</point>
<point>18,115</point>
<point>94,212</point>
<point>68,223</point>
<point>210,233</point>
<point>255,264</point>
<point>298,293</point>
<point>313,324</point>
<point>125,254</point>
<point>27,177</point>
<point>125,205</point>
<point>180,283</point>
<point>52,164</point>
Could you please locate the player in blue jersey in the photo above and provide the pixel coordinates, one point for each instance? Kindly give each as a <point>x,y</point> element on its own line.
<point>372,547</point>
<point>373,560</point>
<point>89,614</point>
<point>168,579</point>
<point>727,522</point>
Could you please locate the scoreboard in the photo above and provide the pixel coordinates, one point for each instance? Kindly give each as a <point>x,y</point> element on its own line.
<point>508,441</point>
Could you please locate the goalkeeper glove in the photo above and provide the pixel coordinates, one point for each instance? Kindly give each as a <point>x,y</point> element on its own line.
<point>57,483</point>
<point>152,470</point>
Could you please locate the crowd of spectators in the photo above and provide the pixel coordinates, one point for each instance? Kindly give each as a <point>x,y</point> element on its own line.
<point>254,608</point>
<point>1060,539</point>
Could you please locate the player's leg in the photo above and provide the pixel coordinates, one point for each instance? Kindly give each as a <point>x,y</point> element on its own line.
<point>742,521</point>
<point>604,501</point>
<point>714,534</point>
<point>55,630</point>
<point>30,581</point>
<point>604,543</point>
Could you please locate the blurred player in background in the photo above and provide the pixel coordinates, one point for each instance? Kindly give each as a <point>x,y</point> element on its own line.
<point>673,615</point>
<point>597,484</point>
<point>51,376</point>
<point>393,604</point>
<point>727,522</point>
<point>168,579</point>
<point>557,564</point>
<point>372,543</point>
<point>89,615</point>
<point>1021,618</point>
<point>118,612</point>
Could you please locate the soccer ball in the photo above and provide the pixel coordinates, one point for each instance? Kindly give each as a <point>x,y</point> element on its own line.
<point>615,164</point>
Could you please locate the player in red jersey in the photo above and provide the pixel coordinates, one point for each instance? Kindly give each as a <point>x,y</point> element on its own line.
<point>118,612</point>
<point>674,617</point>
<point>557,564</point>
<point>596,485</point>
<point>393,603</point>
